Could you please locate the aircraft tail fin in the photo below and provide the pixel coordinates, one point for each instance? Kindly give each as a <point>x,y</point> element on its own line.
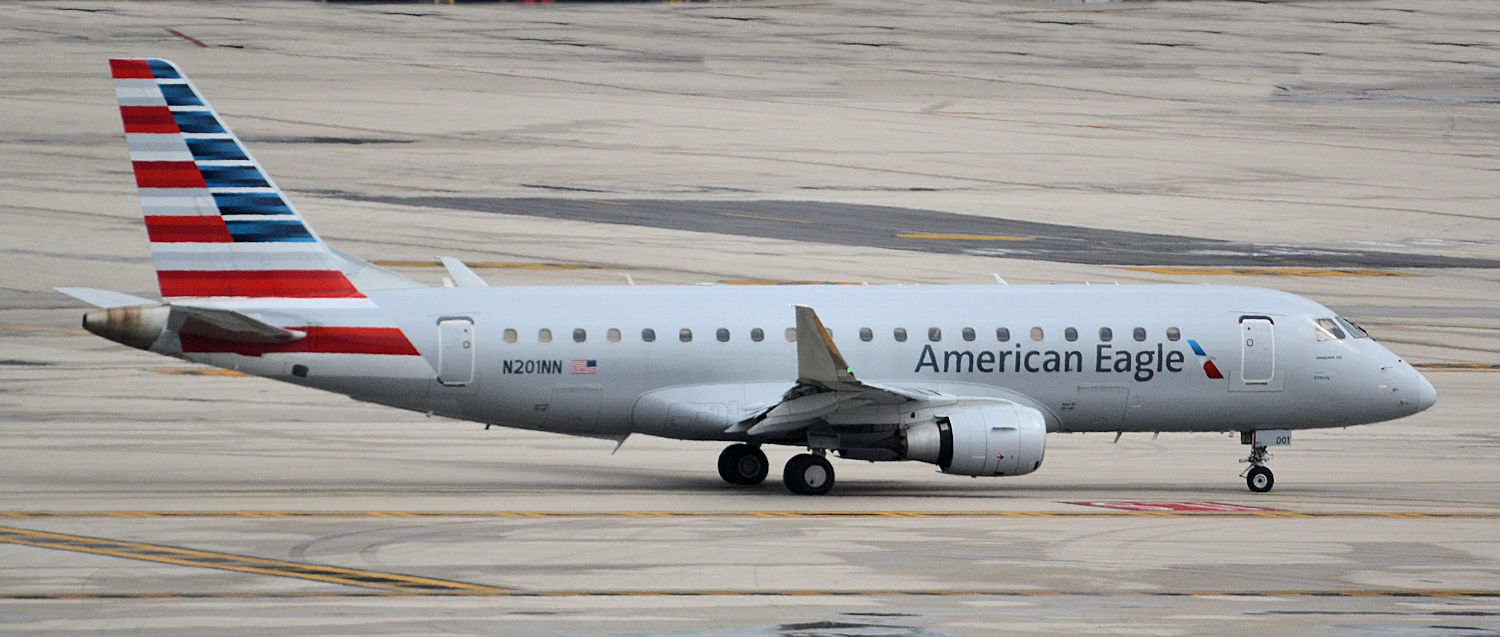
<point>218,225</point>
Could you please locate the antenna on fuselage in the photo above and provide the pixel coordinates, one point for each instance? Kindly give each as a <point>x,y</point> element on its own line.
<point>998,279</point>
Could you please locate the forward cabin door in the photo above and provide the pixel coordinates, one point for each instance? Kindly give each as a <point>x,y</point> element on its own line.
<point>1257,350</point>
<point>456,351</point>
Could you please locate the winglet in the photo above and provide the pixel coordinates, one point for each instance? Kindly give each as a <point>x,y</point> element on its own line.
<point>818,359</point>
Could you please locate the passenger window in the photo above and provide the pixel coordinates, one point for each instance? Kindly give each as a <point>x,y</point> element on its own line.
<point>899,334</point>
<point>722,334</point>
<point>1106,335</point>
<point>934,334</point>
<point>968,333</point>
<point>613,335</point>
<point>757,335</point>
<point>648,335</point>
<point>1070,334</point>
<point>1328,329</point>
<point>791,334</point>
<point>1138,333</point>
<point>580,336</point>
<point>510,335</point>
<point>1036,334</point>
<point>1002,334</point>
<point>1174,334</point>
<point>866,334</point>
<point>685,335</point>
<point>544,335</point>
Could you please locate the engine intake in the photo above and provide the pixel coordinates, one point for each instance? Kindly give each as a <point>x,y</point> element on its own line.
<point>993,440</point>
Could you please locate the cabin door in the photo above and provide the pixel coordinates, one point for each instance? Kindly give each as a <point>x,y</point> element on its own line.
<point>455,351</point>
<point>1257,350</point>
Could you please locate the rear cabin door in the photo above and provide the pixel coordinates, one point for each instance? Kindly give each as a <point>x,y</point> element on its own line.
<point>1257,349</point>
<point>456,351</point>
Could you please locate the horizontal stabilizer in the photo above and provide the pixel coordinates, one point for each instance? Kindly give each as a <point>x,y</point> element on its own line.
<point>229,325</point>
<point>104,298</point>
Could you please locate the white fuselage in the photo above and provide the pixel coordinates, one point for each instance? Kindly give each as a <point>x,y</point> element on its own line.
<point>530,349</point>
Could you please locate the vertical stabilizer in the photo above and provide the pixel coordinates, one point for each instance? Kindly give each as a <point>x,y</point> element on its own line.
<point>218,225</point>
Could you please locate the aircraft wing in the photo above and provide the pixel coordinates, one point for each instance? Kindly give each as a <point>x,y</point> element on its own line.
<point>826,389</point>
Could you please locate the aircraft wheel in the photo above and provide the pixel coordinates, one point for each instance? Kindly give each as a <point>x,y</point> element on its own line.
<point>743,464</point>
<point>1260,479</point>
<point>808,474</point>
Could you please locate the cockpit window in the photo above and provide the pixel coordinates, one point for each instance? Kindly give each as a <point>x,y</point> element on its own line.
<point>1329,330</point>
<point>1354,330</point>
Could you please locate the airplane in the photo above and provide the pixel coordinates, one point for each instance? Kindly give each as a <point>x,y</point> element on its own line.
<point>970,378</point>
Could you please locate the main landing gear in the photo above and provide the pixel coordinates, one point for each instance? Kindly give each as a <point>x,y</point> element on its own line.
<point>808,474</point>
<point>805,473</point>
<point>743,464</point>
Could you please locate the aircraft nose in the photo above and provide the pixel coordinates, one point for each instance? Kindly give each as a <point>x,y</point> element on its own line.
<point>1426,393</point>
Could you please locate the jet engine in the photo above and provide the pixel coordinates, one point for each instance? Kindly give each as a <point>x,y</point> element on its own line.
<point>992,440</point>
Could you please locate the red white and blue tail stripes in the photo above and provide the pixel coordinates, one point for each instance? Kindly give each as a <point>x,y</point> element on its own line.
<point>223,235</point>
<point>219,227</point>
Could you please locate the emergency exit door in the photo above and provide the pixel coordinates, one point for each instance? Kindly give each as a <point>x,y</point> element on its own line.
<point>1257,350</point>
<point>455,351</point>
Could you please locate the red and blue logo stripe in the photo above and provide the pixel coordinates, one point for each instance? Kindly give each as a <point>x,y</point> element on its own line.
<point>1209,368</point>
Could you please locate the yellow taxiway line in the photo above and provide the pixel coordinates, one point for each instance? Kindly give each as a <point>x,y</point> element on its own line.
<point>1246,271</point>
<point>243,563</point>
<point>1384,593</point>
<point>1091,513</point>
<point>941,236</point>
<point>210,371</point>
<point>34,328</point>
<point>1458,367</point>
<point>756,218</point>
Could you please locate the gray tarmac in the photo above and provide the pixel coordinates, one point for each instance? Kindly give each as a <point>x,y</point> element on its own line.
<point>932,231</point>
<point>1351,145</point>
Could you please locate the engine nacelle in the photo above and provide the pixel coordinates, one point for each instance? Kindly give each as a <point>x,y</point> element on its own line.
<point>992,440</point>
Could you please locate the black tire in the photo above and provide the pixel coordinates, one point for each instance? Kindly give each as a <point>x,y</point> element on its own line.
<point>1260,479</point>
<point>743,464</point>
<point>808,474</point>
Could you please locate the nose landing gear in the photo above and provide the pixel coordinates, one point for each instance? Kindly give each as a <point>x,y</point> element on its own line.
<point>1258,476</point>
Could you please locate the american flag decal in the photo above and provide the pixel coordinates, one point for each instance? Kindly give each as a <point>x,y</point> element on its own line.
<point>585,366</point>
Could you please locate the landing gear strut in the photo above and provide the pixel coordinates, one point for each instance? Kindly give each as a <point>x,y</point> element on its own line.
<point>808,474</point>
<point>1258,476</point>
<point>743,464</point>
